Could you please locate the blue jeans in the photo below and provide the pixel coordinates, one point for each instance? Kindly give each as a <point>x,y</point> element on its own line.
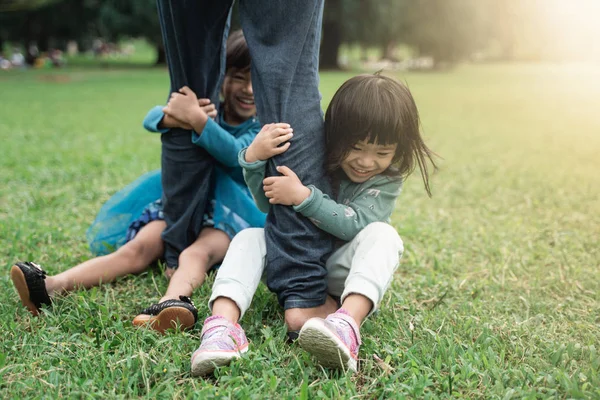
<point>193,35</point>
<point>283,37</point>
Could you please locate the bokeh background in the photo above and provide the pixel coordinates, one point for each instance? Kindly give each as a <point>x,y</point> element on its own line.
<point>497,295</point>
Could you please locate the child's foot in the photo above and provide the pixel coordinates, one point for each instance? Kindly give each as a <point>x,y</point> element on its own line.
<point>221,342</point>
<point>28,279</point>
<point>169,314</point>
<point>334,341</point>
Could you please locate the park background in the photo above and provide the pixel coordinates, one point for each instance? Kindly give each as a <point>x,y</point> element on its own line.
<point>497,295</point>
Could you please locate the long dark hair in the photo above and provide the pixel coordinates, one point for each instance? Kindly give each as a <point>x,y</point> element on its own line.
<point>381,110</point>
<point>237,53</point>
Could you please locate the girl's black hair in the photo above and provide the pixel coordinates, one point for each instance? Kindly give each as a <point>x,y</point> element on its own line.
<point>238,55</point>
<point>382,110</point>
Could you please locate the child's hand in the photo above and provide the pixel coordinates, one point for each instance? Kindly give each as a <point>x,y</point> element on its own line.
<point>185,107</point>
<point>209,108</point>
<point>286,189</point>
<point>267,143</point>
<point>170,122</point>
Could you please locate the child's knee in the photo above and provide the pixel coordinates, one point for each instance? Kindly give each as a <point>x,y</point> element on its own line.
<point>196,253</point>
<point>380,232</point>
<point>131,250</point>
<point>135,254</point>
<point>255,236</point>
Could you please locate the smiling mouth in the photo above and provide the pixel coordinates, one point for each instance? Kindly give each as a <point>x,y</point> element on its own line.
<point>248,102</point>
<point>361,171</point>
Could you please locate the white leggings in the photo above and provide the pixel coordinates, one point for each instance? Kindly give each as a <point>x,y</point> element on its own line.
<point>365,265</point>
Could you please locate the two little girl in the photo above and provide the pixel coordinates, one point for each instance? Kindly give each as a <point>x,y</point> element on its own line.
<point>373,142</point>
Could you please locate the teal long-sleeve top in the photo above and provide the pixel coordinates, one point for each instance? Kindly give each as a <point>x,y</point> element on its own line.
<point>221,140</point>
<point>357,205</point>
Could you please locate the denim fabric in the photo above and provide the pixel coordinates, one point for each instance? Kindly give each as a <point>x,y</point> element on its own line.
<point>284,38</point>
<point>194,33</point>
<point>365,265</point>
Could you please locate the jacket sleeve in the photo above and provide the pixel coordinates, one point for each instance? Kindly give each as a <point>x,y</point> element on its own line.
<point>222,145</point>
<point>153,118</point>
<point>344,221</point>
<point>254,174</point>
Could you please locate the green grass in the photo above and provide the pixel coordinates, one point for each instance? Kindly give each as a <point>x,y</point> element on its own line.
<point>497,295</point>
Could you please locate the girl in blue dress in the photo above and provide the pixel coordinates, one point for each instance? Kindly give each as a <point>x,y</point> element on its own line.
<point>132,221</point>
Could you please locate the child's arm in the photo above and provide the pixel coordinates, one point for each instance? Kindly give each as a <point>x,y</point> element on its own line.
<point>153,121</point>
<point>374,203</point>
<point>272,139</point>
<point>184,106</point>
<point>222,145</point>
<point>157,121</point>
<point>254,173</point>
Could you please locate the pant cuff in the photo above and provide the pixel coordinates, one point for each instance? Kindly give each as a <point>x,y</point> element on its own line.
<point>232,290</point>
<point>365,288</point>
<point>296,302</point>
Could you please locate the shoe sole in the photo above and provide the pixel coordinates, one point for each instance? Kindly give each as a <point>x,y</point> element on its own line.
<point>326,346</point>
<point>206,362</point>
<point>169,318</point>
<point>20,283</point>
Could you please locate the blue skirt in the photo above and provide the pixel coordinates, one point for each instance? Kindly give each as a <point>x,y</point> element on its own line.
<point>231,209</point>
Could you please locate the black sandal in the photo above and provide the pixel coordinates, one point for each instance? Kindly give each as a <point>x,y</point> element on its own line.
<point>169,314</point>
<point>292,336</point>
<point>29,280</point>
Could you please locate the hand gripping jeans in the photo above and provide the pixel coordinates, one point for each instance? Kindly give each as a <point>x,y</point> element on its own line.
<point>283,37</point>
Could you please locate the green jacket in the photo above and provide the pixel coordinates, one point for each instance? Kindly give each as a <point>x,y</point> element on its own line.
<point>358,205</point>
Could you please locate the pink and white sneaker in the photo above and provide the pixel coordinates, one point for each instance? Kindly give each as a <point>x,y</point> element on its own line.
<point>221,342</point>
<point>334,341</point>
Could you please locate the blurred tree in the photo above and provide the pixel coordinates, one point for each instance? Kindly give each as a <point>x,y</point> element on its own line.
<point>49,23</point>
<point>139,18</point>
<point>332,35</point>
<point>20,5</point>
<point>522,30</point>
<point>385,24</point>
<point>447,31</point>
<point>378,24</point>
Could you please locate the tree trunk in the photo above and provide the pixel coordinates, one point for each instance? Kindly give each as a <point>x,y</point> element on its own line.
<point>161,55</point>
<point>332,35</point>
<point>330,45</point>
<point>43,41</point>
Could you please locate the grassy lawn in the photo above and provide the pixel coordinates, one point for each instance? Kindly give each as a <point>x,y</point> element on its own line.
<point>497,296</point>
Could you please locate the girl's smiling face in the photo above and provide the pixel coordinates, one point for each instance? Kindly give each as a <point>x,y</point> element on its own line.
<point>366,160</point>
<point>238,97</point>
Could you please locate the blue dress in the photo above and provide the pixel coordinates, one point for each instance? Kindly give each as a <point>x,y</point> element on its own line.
<point>231,207</point>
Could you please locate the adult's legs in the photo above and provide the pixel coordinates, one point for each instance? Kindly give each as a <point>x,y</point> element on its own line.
<point>194,33</point>
<point>283,37</point>
<point>239,276</point>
